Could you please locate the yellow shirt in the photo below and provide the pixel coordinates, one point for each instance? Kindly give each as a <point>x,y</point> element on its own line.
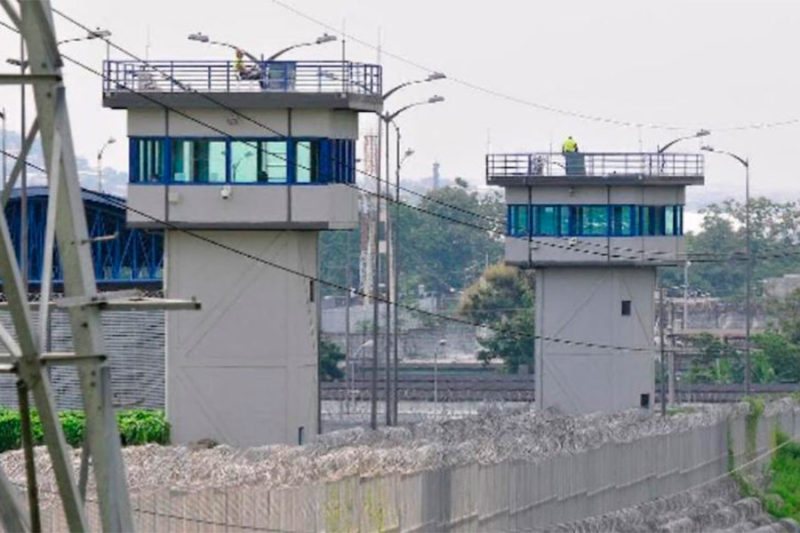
<point>569,145</point>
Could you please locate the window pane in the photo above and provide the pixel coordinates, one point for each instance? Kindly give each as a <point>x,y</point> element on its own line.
<point>669,220</point>
<point>622,220</point>
<point>518,220</point>
<point>659,220</point>
<point>548,220</point>
<point>244,162</point>
<point>198,161</point>
<point>273,162</point>
<point>593,220</point>
<point>647,225</point>
<point>151,160</point>
<point>679,220</point>
<point>307,161</point>
<point>567,221</point>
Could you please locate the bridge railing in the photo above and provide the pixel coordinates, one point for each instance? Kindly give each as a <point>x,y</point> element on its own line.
<point>224,77</point>
<point>504,167</point>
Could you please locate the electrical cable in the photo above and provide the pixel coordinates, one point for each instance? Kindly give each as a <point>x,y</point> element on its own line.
<point>496,222</point>
<point>339,286</point>
<point>528,103</point>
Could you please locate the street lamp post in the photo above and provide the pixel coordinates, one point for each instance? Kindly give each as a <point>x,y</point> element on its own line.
<point>697,134</point>
<point>395,277</point>
<point>745,162</point>
<point>391,259</point>
<point>111,140</point>
<point>203,38</point>
<point>376,249</point>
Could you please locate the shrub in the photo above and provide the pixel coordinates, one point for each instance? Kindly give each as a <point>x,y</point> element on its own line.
<point>136,426</point>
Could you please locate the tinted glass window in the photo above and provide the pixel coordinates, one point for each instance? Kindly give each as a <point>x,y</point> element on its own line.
<point>151,160</point>
<point>593,220</point>
<point>547,220</point>
<point>306,161</point>
<point>198,161</point>
<point>273,162</point>
<point>622,220</point>
<point>518,220</point>
<point>244,161</point>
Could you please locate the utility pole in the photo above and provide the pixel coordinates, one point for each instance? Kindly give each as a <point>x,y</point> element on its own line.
<point>663,382</point>
<point>671,358</point>
<point>387,238</point>
<point>373,414</point>
<point>349,283</point>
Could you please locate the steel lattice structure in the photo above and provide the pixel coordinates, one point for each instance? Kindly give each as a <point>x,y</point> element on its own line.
<point>66,226</point>
<point>123,257</point>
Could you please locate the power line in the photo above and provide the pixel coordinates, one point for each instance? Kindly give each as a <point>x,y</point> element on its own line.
<point>494,221</point>
<point>536,105</point>
<point>492,231</point>
<point>339,286</point>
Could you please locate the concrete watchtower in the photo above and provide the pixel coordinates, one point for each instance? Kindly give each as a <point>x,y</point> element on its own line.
<point>259,162</point>
<point>594,226</point>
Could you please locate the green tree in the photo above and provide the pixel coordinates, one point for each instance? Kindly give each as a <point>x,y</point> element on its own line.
<point>775,228</point>
<point>329,357</point>
<point>721,363</point>
<point>502,299</point>
<point>446,253</point>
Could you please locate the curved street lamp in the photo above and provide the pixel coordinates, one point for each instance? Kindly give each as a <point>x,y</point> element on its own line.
<point>697,134</point>
<point>391,239</point>
<point>203,38</point>
<point>91,34</point>
<point>111,140</point>
<point>433,76</point>
<point>745,162</point>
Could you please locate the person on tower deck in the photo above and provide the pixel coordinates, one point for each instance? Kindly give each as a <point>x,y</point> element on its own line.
<point>569,146</point>
<point>573,160</point>
<point>244,72</point>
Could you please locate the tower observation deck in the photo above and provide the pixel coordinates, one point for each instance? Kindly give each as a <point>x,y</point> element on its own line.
<point>595,226</point>
<point>257,161</point>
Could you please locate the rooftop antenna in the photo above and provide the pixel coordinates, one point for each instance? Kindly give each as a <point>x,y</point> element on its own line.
<point>147,45</point>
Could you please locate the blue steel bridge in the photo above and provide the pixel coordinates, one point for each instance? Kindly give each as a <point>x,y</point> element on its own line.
<point>133,258</point>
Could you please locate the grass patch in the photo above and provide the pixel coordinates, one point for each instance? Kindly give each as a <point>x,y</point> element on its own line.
<point>782,497</point>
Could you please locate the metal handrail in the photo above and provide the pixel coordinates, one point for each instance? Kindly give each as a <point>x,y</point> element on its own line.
<point>598,164</point>
<point>221,76</point>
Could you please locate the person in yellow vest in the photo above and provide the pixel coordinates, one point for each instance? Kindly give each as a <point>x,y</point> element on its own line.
<point>573,161</point>
<point>243,71</point>
<point>570,145</point>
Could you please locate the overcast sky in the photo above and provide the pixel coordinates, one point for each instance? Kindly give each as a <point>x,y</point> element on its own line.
<point>684,63</point>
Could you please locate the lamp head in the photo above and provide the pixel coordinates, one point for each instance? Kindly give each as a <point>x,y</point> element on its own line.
<point>409,152</point>
<point>111,140</point>
<point>16,62</point>
<point>707,148</point>
<point>98,34</point>
<point>325,38</point>
<point>702,133</point>
<point>199,37</point>
<point>435,99</point>
<point>433,76</point>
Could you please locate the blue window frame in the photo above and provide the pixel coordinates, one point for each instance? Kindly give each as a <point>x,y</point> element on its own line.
<point>592,220</point>
<point>148,160</point>
<point>519,220</point>
<point>546,222</point>
<point>623,220</point>
<point>596,220</point>
<point>257,161</point>
<point>199,160</point>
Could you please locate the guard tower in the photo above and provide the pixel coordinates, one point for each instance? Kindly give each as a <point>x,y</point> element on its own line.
<point>594,227</point>
<point>243,174</point>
